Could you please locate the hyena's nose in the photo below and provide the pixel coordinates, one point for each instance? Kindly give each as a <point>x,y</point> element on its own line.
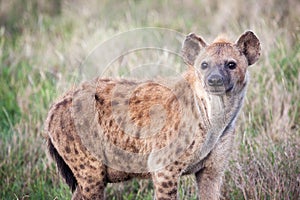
<point>215,80</point>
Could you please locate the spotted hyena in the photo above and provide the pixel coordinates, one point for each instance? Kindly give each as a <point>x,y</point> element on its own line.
<point>108,130</point>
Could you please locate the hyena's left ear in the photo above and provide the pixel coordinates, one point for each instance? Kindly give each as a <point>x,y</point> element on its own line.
<point>192,45</point>
<point>249,44</point>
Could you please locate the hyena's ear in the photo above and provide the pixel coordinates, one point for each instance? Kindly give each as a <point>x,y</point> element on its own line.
<point>249,44</point>
<point>191,48</point>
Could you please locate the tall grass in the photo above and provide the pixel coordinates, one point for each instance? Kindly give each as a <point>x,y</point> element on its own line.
<point>41,42</point>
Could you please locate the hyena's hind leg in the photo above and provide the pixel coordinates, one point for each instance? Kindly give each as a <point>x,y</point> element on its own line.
<point>84,174</point>
<point>90,178</point>
<point>89,191</point>
<point>90,174</point>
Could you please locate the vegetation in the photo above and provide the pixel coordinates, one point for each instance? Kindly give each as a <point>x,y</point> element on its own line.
<point>42,42</point>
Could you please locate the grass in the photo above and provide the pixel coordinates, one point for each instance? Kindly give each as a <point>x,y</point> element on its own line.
<point>41,43</point>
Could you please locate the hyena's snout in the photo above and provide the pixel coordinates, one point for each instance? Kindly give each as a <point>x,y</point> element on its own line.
<point>215,80</point>
<point>217,83</point>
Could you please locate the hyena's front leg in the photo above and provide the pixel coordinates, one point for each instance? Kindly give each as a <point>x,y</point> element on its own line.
<point>209,183</point>
<point>209,178</point>
<point>166,182</point>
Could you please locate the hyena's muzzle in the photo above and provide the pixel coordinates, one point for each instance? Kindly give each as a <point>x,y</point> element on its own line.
<point>217,80</point>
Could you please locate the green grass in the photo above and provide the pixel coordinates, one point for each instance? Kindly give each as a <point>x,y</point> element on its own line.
<point>42,44</point>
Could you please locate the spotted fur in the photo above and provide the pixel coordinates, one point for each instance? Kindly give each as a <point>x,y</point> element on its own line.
<point>193,116</point>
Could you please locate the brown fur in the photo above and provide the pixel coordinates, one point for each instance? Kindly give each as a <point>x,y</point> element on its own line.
<point>171,128</point>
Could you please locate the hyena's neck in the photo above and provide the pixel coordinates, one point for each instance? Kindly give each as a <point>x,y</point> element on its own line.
<point>217,114</point>
<point>212,108</point>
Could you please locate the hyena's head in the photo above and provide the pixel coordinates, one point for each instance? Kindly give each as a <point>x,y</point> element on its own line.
<point>221,67</point>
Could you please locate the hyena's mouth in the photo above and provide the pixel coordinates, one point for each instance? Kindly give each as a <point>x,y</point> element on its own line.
<point>219,90</point>
<point>216,90</point>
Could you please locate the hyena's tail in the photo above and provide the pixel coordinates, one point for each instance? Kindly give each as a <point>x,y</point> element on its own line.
<point>62,167</point>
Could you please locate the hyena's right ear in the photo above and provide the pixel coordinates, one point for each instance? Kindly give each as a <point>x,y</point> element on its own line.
<point>192,45</point>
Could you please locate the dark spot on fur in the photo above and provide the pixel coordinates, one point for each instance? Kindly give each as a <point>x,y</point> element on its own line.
<point>78,106</point>
<point>119,120</point>
<point>108,136</point>
<point>76,152</point>
<point>192,145</point>
<point>176,163</point>
<point>172,192</point>
<point>160,190</point>
<point>140,115</point>
<point>186,101</point>
<point>61,122</point>
<point>81,166</point>
<point>138,134</point>
<point>98,183</point>
<point>200,126</point>
<point>165,185</point>
<point>100,187</point>
<point>95,134</point>
<point>110,123</point>
<point>67,149</point>
<point>115,141</point>
<point>70,137</point>
<point>170,183</point>
<point>63,103</point>
<point>87,189</point>
<point>66,158</point>
<point>50,121</point>
<point>178,150</point>
<point>92,167</point>
<point>176,126</point>
<point>99,99</point>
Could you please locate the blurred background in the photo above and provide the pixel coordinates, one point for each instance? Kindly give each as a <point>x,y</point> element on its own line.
<point>41,42</point>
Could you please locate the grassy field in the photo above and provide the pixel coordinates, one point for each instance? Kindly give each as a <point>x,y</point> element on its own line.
<point>42,42</point>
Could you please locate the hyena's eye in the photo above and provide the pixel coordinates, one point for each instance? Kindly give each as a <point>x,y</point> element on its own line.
<point>231,65</point>
<point>204,65</point>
